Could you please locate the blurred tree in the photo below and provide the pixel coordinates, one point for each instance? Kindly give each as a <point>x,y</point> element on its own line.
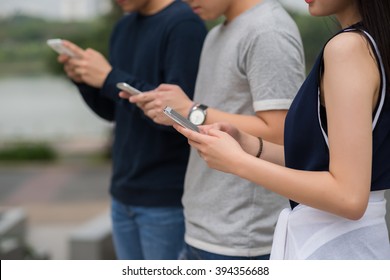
<point>315,32</point>
<point>23,47</point>
<point>95,34</point>
<point>211,23</point>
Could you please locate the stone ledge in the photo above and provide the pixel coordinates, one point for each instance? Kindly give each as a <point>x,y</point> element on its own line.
<point>92,240</point>
<point>13,226</point>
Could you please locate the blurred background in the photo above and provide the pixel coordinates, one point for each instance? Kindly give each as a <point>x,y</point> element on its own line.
<point>54,152</point>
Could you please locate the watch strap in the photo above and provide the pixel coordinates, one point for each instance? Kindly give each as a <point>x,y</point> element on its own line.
<point>202,106</point>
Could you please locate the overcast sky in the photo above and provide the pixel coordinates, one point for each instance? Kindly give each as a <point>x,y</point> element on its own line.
<point>55,9</point>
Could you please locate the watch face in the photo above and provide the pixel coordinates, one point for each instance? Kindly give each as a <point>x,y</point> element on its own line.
<point>197,117</point>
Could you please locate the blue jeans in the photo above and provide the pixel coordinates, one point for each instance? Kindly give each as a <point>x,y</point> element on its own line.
<point>147,233</point>
<point>192,253</point>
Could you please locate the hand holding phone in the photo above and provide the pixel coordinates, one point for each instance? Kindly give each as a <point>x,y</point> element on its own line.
<point>180,119</point>
<point>58,46</point>
<point>128,88</point>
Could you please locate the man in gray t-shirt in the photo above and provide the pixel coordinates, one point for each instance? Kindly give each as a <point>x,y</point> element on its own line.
<point>251,67</point>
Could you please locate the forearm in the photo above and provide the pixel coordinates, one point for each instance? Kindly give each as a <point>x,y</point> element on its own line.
<point>269,152</point>
<point>271,130</point>
<point>318,189</point>
<point>247,123</point>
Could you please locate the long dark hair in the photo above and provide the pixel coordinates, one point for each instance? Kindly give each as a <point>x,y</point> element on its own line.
<point>376,20</point>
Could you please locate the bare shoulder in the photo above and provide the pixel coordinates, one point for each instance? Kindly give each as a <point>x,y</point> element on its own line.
<point>350,63</point>
<point>346,45</point>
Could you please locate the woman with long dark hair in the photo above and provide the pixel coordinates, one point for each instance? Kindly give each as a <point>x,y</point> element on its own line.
<point>335,163</point>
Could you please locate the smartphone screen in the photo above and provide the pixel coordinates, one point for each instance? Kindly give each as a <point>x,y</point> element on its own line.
<point>128,88</point>
<point>56,44</point>
<point>180,119</point>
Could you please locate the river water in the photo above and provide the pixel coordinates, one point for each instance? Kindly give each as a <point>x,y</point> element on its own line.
<point>46,108</point>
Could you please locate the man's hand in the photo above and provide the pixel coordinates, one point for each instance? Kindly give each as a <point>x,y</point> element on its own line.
<point>154,102</point>
<point>89,66</point>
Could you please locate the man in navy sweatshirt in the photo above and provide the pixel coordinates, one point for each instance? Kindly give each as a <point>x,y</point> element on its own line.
<point>157,41</point>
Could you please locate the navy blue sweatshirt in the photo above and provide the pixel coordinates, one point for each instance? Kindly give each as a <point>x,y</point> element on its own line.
<point>149,160</point>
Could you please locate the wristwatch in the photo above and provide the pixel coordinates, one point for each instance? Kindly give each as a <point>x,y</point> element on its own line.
<point>197,114</point>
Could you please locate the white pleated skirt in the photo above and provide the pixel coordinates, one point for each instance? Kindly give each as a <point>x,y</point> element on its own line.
<point>309,233</point>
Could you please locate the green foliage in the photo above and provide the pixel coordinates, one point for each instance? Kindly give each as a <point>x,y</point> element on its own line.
<point>25,151</point>
<point>23,48</point>
<point>23,41</point>
<point>211,23</point>
<point>315,32</point>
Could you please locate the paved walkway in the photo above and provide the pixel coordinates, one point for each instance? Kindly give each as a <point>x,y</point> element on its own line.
<point>57,198</point>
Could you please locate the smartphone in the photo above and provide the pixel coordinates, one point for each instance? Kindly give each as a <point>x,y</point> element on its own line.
<point>180,119</point>
<point>58,46</point>
<point>128,88</point>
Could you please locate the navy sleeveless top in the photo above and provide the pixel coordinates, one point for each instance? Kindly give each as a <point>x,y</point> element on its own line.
<point>305,136</point>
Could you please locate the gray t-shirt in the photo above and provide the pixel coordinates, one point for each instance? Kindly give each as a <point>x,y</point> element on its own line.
<point>254,63</point>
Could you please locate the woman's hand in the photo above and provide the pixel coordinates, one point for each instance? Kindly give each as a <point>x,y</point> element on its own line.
<point>225,127</point>
<point>218,148</point>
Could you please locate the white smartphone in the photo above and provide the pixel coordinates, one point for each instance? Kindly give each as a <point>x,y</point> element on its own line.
<point>128,88</point>
<point>180,119</point>
<point>58,46</point>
